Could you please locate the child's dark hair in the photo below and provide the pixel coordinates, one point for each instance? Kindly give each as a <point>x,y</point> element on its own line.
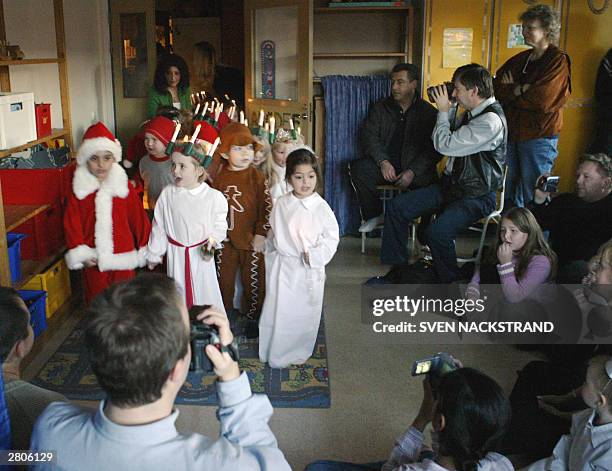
<point>535,244</point>
<point>299,157</point>
<point>476,414</point>
<point>13,320</point>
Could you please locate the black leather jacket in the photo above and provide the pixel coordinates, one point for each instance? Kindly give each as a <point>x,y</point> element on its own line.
<point>479,173</point>
<point>417,153</point>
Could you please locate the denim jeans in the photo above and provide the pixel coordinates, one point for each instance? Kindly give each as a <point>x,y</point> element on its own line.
<point>325,465</point>
<point>527,160</point>
<point>440,234</point>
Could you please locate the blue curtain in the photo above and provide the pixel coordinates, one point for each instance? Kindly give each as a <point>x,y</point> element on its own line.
<point>5,426</point>
<point>347,101</point>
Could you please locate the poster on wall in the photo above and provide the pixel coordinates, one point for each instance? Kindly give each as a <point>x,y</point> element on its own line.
<point>457,47</point>
<point>515,36</point>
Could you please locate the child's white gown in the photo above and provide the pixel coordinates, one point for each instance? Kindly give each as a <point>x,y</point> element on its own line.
<point>189,217</point>
<point>294,290</point>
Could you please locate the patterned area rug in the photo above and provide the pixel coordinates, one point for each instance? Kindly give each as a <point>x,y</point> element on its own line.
<point>301,386</point>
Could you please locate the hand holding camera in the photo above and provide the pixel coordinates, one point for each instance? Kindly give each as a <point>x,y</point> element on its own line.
<point>441,95</point>
<point>213,347</point>
<point>545,185</point>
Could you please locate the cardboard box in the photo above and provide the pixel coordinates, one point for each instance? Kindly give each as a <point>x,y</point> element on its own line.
<point>17,119</point>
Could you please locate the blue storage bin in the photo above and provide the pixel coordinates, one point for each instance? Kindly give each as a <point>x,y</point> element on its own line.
<point>13,241</point>
<point>35,300</point>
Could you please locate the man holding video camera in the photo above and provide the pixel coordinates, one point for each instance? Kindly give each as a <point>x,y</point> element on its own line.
<point>396,145</point>
<point>580,222</point>
<point>476,146</point>
<point>139,340</point>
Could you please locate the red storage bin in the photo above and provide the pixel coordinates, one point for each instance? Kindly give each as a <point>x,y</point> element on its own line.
<point>43,119</point>
<point>50,186</point>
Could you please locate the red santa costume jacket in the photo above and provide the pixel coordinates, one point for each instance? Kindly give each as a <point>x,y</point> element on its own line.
<point>105,221</point>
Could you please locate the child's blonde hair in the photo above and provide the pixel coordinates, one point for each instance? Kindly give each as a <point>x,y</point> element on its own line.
<point>200,148</point>
<point>604,254</point>
<point>266,164</point>
<point>535,244</point>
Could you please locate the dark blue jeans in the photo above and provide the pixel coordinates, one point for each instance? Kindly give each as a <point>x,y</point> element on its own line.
<point>527,160</point>
<point>440,234</point>
<point>325,465</point>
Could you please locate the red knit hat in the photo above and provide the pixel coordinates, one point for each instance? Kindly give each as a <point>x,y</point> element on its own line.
<point>235,134</point>
<point>207,132</point>
<point>161,127</point>
<point>98,138</point>
<point>223,120</point>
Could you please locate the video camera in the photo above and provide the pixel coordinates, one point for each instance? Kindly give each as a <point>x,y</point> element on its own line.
<point>202,335</point>
<point>435,367</point>
<point>450,86</point>
<point>548,184</point>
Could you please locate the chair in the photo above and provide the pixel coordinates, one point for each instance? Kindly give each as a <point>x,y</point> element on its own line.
<point>493,216</point>
<point>387,192</point>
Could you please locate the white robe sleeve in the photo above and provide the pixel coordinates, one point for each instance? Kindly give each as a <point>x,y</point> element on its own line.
<point>158,242</point>
<point>219,226</point>
<point>321,254</point>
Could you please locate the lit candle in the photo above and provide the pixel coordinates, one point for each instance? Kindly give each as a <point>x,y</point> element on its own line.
<point>203,93</point>
<point>214,146</point>
<point>272,124</point>
<point>176,131</point>
<point>261,118</point>
<point>195,133</point>
<point>205,108</point>
<point>246,123</point>
<point>266,127</point>
<point>241,117</point>
<point>226,97</point>
<point>218,112</point>
<point>192,99</point>
<point>195,113</point>
<point>299,131</point>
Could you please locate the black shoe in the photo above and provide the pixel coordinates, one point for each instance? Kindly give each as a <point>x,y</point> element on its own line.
<point>393,276</point>
<point>252,329</point>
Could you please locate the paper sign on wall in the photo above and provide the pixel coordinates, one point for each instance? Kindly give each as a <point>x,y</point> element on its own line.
<point>515,36</point>
<point>457,47</point>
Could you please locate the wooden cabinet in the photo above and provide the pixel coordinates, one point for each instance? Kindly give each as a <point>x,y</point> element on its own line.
<point>13,216</point>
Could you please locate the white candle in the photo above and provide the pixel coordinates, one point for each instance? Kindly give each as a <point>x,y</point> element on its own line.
<point>192,99</point>
<point>176,131</point>
<point>272,124</point>
<point>195,113</point>
<point>205,108</point>
<point>261,118</point>
<point>214,146</point>
<point>226,97</point>
<point>299,131</point>
<point>195,133</point>
<point>291,124</point>
<point>203,93</point>
<point>217,113</point>
<point>241,117</point>
<point>246,123</point>
<point>266,127</point>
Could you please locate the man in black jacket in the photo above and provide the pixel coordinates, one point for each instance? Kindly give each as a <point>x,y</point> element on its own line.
<point>396,144</point>
<point>476,148</point>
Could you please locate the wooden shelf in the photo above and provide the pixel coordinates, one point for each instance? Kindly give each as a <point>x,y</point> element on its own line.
<point>31,268</point>
<point>31,61</point>
<point>361,9</point>
<point>356,55</point>
<point>16,214</point>
<point>56,133</point>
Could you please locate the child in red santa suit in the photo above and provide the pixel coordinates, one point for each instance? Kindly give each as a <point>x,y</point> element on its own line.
<point>106,227</point>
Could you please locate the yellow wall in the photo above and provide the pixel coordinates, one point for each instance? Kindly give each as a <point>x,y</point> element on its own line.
<point>585,36</point>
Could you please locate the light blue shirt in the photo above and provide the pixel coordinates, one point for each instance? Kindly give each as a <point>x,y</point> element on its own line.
<point>85,440</point>
<point>484,132</point>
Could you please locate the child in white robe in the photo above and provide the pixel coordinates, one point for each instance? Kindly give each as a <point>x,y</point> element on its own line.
<point>304,239</point>
<point>190,221</point>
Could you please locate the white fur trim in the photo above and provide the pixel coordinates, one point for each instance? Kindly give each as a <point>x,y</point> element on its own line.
<point>127,163</point>
<point>142,256</point>
<point>119,261</point>
<point>84,183</point>
<point>90,146</point>
<point>75,257</point>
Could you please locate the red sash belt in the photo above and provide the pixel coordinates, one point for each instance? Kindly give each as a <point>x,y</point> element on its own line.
<point>188,281</point>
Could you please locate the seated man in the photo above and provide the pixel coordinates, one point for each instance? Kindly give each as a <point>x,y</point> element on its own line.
<point>578,222</point>
<point>25,402</point>
<point>138,338</point>
<point>396,143</point>
<point>476,148</point>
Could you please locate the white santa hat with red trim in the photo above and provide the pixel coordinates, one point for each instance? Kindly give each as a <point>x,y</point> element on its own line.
<point>98,138</point>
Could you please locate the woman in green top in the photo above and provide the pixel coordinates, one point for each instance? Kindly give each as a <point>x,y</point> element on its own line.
<point>170,85</point>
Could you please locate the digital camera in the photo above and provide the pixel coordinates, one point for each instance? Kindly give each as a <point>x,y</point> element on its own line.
<point>202,335</point>
<point>450,86</point>
<point>548,184</point>
<point>435,367</point>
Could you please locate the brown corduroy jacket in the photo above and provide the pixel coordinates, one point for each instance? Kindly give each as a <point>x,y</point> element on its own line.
<point>538,111</point>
